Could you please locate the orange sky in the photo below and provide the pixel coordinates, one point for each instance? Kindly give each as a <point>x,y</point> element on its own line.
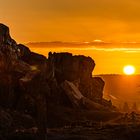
<point>74,20</point>
<point>78,20</point>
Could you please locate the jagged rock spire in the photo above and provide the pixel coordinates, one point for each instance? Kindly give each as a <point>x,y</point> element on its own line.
<point>5,37</point>
<point>3,29</point>
<point>4,33</point>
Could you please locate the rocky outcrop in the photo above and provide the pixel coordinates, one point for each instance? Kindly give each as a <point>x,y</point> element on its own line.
<point>77,70</point>
<point>71,68</point>
<point>28,67</point>
<point>30,83</point>
<point>20,72</point>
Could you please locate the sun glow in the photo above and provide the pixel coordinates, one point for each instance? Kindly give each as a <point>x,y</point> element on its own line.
<point>129,70</point>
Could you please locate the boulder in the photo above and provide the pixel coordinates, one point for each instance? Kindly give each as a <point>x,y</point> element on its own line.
<point>91,105</point>
<point>78,100</point>
<point>73,93</point>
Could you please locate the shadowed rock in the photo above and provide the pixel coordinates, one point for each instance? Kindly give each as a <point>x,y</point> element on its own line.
<point>19,67</point>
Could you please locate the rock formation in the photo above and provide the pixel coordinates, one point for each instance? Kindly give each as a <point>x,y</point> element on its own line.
<point>30,83</point>
<point>77,70</point>
<point>21,70</point>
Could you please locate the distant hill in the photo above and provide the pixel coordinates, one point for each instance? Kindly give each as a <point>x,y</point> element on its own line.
<point>122,88</point>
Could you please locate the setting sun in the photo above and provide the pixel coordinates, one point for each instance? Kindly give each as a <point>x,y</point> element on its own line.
<point>129,70</point>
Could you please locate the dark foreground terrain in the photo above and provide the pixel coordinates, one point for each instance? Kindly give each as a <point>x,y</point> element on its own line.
<point>106,132</point>
<point>124,127</point>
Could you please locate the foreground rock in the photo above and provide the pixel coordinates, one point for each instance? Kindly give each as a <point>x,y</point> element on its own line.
<point>20,71</point>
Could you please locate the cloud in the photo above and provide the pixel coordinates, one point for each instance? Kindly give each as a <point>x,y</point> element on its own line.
<point>87,46</point>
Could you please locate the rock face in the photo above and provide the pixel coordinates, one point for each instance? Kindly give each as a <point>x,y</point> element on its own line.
<point>78,99</point>
<point>30,82</point>
<point>97,88</point>
<point>78,70</point>
<point>73,93</point>
<point>20,71</point>
<point>67,66</point>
